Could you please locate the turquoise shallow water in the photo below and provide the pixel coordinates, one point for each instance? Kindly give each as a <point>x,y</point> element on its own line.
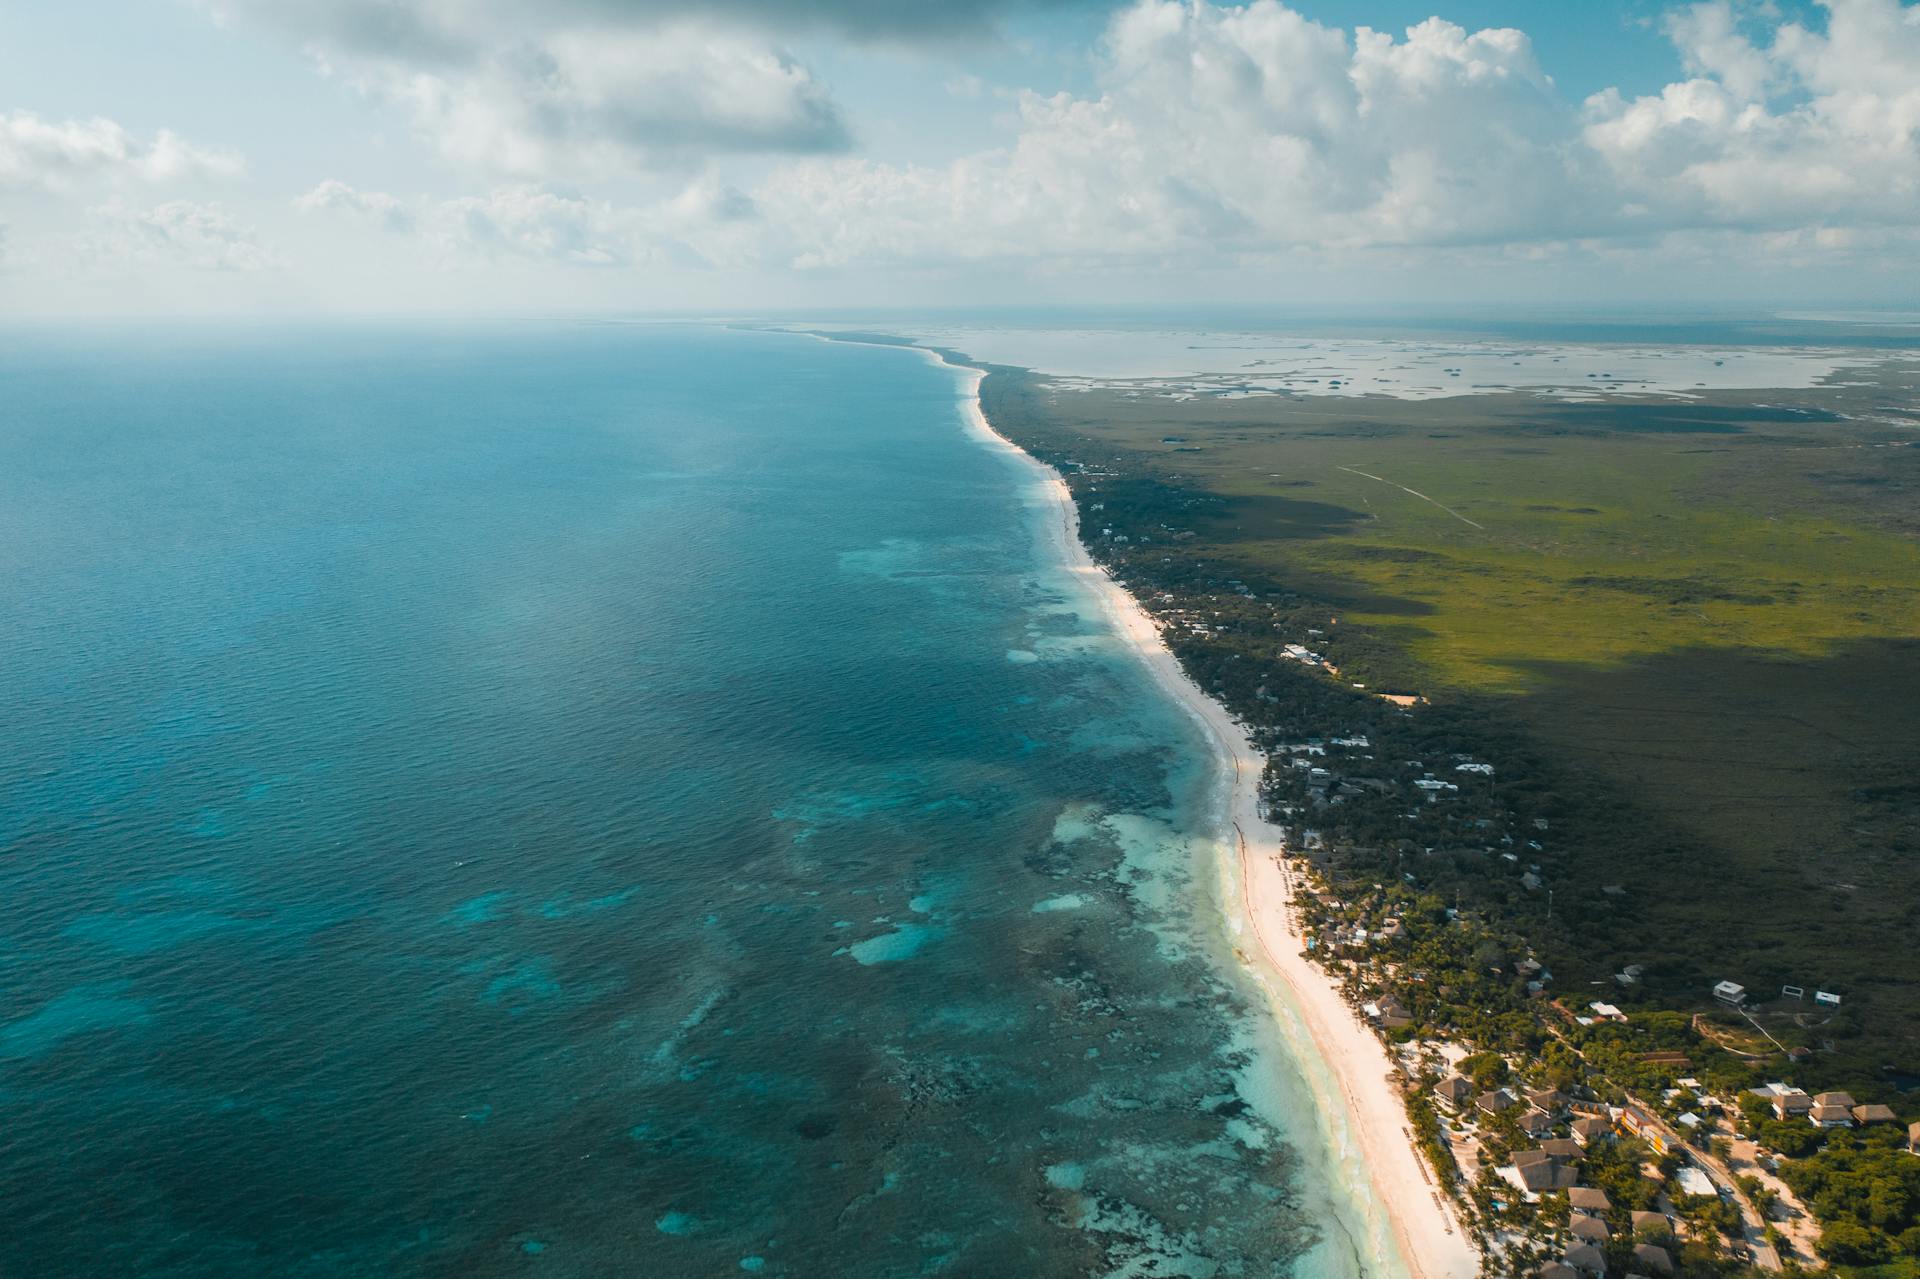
<point>588,800</point>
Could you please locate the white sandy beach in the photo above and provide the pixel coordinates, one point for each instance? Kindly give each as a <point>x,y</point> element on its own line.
<point>1368,1118</point>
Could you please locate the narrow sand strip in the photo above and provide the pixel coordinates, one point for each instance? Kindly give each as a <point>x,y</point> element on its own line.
<point>1370,1115</point>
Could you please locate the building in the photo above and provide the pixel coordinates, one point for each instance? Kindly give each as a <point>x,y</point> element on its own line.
<point>1790,1102</point>
<point>1645,1127</point>
<point>1551,1100</point>
<point>1652,1225</point>
<point>1873,1113</point>
<point>1653,1259</point>
<point>1536,1123</point>
<point>1588,1202</point>
<point>1497,1102</point>
<point>1457,1089</point>
<point>1830,1116</point>
<point>1589,1131</point>
<point>1555,1270</point>
<point>1694,1182</point>
<point>1590,1230</point>
<point>1535,1172</point>
<point>1730,992</point>
<point>1913,1139</point>
<point>1606,1012</point>
<point>1585,1259</point>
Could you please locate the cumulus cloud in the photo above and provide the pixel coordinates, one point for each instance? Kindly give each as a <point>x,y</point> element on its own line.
<point>1215,133</point>
<point>1228,129</point>
<point>708,223</point>
<point>600,103</point>
<point>528,221</point>
<point>579,87</point>
<point>1236,130</point>
<point>49,155</point>
<point>1809,128</point>
<point>204,237</point>
<point>452,30</point>
<point>376,207</point>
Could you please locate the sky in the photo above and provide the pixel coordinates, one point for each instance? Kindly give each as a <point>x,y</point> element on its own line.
<point>164,157</point>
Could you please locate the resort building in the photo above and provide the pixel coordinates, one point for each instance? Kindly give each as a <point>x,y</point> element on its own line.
<point>1653,1259</point>
<point>1587,1201</point>
<point>1588,1131</point>
<point>1652,1225</point>
<point>1585,1259</point>
<point>1830,1116</point>
<point>1551,1100</point>
<point>1499,1101</point>
<point>1873,1113</point>
<point>1790,1102</point>
<point>1645,1127</point>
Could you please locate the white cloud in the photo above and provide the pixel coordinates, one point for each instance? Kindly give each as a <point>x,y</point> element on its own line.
<point>705,224</point>
<point>45,154</point>
<point>1224,131</point>
<point>375,207</point>
<point>597,104</point>
<point>1813,129</point>
<point>1216,135</point>
<point>528,221</point>
<point>1227,130</point>
<point>204,237</point>
<point>572,89</point>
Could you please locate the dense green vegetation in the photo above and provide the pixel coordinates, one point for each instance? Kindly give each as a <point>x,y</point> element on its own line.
<point>1683,634</point>
<point>1665,656</point>
<point>1866,1188</point>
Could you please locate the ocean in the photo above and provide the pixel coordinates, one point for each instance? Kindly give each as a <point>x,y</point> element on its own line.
<point>595,799</point>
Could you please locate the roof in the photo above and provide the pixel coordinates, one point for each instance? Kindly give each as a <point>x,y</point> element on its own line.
<point>1561,1147</point>
<point>1554,1270</point>
<point>1651,1220</point>
<point>1834,1099</point>
<point>1654,1257</point>
<point>1591,1125</point>
<point>1832,1114</point>
<point>1539,1175</point>
<point>1874,1113</point>
<point>1584,1256</point>
<point>1591,1229</point>
<point>1494,1102</point>
<point>1588,1197</point>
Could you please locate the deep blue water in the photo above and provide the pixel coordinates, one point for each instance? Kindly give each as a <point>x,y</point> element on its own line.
<point>587,800</point>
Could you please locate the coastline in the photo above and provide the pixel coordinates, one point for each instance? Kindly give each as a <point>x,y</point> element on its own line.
<point>1358,1101</point>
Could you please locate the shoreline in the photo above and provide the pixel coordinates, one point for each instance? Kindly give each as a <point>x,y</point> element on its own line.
<point>1367,1116</point>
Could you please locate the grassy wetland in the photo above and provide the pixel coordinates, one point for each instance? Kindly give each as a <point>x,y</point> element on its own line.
<point>1682,629</point>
